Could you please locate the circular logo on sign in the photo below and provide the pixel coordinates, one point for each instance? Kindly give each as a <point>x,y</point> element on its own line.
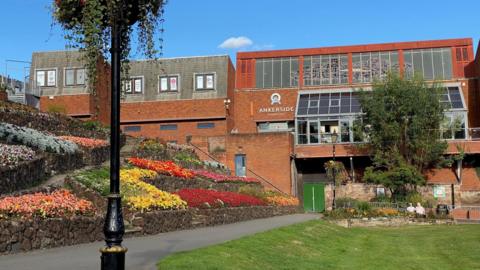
<point>276,98</point>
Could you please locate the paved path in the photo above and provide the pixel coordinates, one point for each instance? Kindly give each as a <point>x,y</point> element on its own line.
<point>144,252</point>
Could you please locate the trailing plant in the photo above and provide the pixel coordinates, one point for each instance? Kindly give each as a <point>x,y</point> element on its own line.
<point>88,27</point>
<point>36,139</point>
<point>338,169</point>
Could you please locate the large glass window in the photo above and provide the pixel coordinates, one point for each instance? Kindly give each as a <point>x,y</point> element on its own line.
<point>432,64</point>
<point>325,69</point>
<point>328,103</point>
<point>276,72</point>
<point>370,66</point>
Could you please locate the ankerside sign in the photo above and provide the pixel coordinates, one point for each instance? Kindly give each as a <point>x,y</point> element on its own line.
<point>276,105</point>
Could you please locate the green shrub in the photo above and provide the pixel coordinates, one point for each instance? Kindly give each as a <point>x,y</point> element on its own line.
<point>95,179</point>
<point>57,108</point>
<point>382,199</point>
<point>346,202</point>
<point>364,207</point>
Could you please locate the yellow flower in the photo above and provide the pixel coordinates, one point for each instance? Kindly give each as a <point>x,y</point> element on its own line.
<point>143,196</point>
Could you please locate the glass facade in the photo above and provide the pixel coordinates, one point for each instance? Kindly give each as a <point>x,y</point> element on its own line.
<point>276,72</point>
<point>325,70</point>
<point>319,115</point>
<point>432,64</point>
<point>370,66</point>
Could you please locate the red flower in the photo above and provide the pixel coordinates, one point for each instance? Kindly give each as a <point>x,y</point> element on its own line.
<point>162,167</point>
<point>204,198</point>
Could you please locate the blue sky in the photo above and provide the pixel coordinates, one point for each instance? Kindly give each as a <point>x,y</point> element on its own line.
<point>200,27</point>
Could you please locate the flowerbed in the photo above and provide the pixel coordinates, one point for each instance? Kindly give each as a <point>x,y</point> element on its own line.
<point>346,213</point>
<point>12,155</point>
<point>85,142</point>
<point>281,200</point>
<point>60,203</point>
<point>36,139</point>
<point>137,194</point>
<point>203,198</point>
<point>162,167</point>
<point>221,178</point>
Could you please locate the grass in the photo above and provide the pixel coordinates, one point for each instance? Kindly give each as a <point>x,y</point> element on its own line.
<point>320,245</point>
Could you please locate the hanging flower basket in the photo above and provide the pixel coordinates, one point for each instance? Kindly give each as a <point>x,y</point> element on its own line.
<point>71,12</point>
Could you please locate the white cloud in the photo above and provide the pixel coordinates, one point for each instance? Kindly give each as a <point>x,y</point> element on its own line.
<point>236,42</point>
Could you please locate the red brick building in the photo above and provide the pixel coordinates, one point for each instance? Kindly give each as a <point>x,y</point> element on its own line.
<point>273,116</point>
<point>309,93</point>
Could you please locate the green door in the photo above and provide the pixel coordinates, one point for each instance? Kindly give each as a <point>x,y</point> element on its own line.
<point>314,197</point>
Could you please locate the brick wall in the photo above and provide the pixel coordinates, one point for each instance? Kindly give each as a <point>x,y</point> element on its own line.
<point>74,105</point>
<point>184,129</point>
<point>263,151</point>
<point>248,105</point>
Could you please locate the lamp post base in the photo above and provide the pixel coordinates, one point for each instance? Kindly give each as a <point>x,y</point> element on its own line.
<point>113,258</point>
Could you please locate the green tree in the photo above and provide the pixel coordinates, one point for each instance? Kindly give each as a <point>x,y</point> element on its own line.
<point>401,121</point>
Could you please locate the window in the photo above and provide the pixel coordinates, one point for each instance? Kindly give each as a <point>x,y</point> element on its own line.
<point>168,127</point>
<point>432,64</point>
<point>367,67</point>
<point>169,83</point>
<point>462,54</point>
<point>132,128</point>
<point>205,81</point>
<point>240,165</point>
<point>74,76</point>
<point>276,72</point>
<point>275,126</point>
<point>46,78</point>
<point>205,125</point>
<point>133,86</point>
<point>325,69</point>
<point>328,104</point>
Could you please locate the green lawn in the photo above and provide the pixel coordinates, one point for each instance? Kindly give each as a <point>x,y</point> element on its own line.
<point>320,245</point>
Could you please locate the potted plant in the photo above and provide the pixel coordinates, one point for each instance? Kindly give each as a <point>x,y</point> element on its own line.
<point>87,25</point>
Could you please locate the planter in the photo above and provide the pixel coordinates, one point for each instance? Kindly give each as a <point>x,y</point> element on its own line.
<point>3,96</point>
<point>71,11</point>
<point>388,222</point>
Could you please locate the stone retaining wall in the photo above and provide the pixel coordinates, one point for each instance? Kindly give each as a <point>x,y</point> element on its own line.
<point>25,235</point>
<point>219,216</point>
<point>25,175</point>
<point>389,222</point>
<point>85,193</point>
<point>172,184</point>
<point>56,163</point>
<point>95,156</point>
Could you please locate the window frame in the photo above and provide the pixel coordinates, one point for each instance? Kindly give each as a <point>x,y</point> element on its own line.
<point>162,127</point>
<point>204,75</point>
<point>208,125</point>
<point>45,78</point>
<point>136,128</point>
<point>168,77</point>
<point>75,72</point>
<point>131,81</point>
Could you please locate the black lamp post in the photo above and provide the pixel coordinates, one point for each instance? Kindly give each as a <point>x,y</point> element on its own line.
<point>334,141</point>
<point>113,254</point>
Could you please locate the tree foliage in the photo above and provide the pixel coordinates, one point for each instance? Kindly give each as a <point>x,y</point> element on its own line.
<point>401,121</point>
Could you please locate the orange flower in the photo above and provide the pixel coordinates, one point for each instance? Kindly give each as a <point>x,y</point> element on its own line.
<point>162,167</point>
